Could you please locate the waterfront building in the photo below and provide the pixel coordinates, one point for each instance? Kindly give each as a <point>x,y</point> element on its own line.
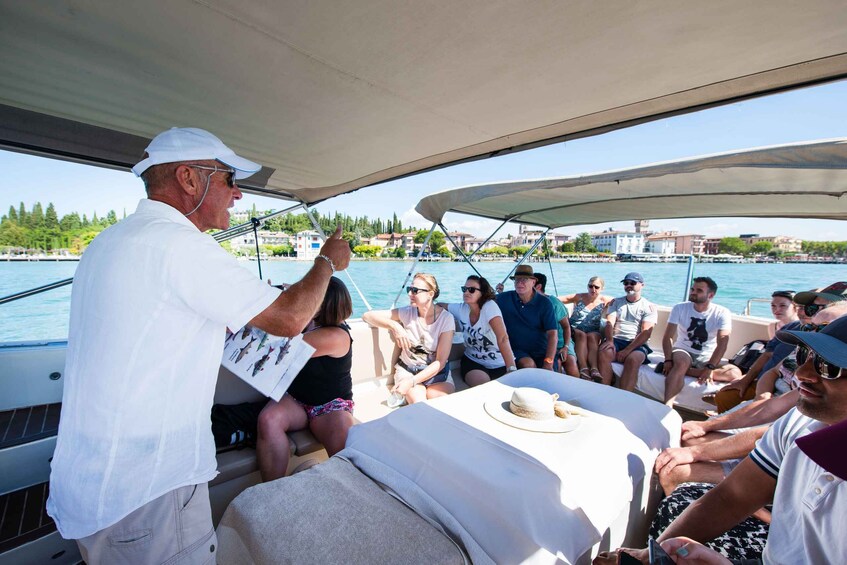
<point>307,245</point>
<point>618,242</point>
<point>527,237</point>
<point>710,245</point>
<point>660,244</point>
<point>266,237</point>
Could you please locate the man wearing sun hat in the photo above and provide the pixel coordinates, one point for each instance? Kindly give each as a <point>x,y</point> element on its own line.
<point>152,298</point>
<point>809,498</point>
<point>813,301</point>
<point>529,321</point>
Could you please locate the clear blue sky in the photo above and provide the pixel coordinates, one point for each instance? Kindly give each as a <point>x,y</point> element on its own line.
<point>807,114</point>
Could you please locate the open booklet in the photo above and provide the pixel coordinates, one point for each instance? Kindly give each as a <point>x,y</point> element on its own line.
<point>266,362</point>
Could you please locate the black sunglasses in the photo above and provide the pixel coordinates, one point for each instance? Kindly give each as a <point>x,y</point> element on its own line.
<point>823,368</point>
<point>415,290</point>
<point>812,309</point>
<point>470,289</point>
<point>230,173</point>
<point>629,282</point>
<point>594,286</point>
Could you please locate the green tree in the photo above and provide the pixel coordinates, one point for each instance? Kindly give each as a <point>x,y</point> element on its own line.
<point>732,245</point>
<point>112,218</point>
<point>22,215</point>
<point>567,247</point>
<point>399,252</point>
<point>13,215</point>
<point>367,250</point>
<point>435,242</point>
<point>36,217</point>
<point>51,219</point>
<point>582,243</point>
<point>761,248</point>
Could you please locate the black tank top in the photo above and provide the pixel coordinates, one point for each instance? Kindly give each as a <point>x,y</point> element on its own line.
<point>325,378</point>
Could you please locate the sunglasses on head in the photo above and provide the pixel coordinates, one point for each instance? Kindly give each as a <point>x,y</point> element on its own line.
<point>812,309</point>
<point>823,368</point>
<point>594,286</point>
<point>415,290</point>
<point>629,282</point>
<point>470,289</point>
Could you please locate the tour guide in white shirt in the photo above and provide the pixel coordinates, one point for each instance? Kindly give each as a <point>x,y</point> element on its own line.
<point>151,300</point>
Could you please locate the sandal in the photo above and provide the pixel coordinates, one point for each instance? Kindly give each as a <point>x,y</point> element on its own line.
<point>709,398</point>
<point>585,374</point>
<point>596,376</point>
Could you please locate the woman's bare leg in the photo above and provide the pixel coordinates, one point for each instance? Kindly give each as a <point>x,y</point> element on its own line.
<point>272,449</point>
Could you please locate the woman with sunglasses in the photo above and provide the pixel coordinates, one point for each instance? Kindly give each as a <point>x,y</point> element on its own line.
<point>423,334</point>
<point>585,325</point>
<point>488,354</point>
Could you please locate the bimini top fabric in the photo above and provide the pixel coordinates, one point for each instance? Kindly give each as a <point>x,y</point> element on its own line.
<point>802,180</point>
<point>334,96</point>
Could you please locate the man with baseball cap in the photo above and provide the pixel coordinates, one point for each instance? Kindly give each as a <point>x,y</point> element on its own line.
<point>809,498</point>
<point>152,298</point>
<point>629,325</point>
<point>530,321</point>
<point>813,301</point>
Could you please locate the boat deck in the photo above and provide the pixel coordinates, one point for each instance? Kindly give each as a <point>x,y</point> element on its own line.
<point>23,517</point>
<point>31,423</point>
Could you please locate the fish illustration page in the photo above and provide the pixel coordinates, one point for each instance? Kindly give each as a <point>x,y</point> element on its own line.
<point>266,362</point>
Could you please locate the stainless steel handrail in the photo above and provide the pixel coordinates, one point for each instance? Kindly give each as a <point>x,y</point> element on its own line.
<point>751,300</point>
<point>37,290</point>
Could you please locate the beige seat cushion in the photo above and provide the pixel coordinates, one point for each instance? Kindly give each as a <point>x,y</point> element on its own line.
<point>331,513</point>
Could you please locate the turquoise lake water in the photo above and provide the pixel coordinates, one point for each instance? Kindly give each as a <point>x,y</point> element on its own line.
<point>45,316</point>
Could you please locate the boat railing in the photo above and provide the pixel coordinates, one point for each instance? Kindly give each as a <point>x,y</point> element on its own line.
<point>750,302</point>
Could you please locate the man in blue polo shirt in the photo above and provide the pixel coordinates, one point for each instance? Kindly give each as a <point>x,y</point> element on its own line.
<point>530,321</point>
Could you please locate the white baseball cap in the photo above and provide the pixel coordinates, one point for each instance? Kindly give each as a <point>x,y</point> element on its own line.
<point>193,144</point>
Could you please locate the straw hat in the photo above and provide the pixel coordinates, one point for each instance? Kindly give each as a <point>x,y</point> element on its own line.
<point>529,409</point>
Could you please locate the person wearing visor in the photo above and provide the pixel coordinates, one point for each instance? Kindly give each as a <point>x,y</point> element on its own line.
<point>629,325</point>
<point>809,498</point>
<point>814,301</point>
<point>152,298</point>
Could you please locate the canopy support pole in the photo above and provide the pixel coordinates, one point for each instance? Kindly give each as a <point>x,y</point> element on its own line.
<point>550,265</point>
<point>481,245</point>
<point>688,278</point>
<point>414,264</point>
<point>459,249</point>
<point>527,254</point>
<point>320,230</point>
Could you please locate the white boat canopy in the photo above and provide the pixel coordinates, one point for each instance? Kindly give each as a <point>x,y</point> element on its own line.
<point>802,180</point>
<point>335,96</point>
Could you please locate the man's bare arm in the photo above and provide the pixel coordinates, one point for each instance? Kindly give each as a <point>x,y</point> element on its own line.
<point>744,491</point>
<point>295,308</point>
<point>722,343</point>
<point>756,413</point>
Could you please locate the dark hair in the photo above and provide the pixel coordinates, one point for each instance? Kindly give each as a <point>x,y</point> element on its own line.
<point>541,278</point>
<point>789,294</point>
<point>337,305</point>
<point>713,286</point>
<point>485,290</point>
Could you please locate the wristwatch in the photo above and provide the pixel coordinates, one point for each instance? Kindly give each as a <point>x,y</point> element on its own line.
<point>711,366</point>
<point>548,360</point>
<point>511,368</point>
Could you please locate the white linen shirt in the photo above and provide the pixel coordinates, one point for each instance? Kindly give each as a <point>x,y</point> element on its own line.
<point>151,299</point>
<point>809,518</point>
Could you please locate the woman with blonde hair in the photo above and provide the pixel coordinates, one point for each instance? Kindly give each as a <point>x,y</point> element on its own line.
<point>423,334</point>
<point>585,326</point>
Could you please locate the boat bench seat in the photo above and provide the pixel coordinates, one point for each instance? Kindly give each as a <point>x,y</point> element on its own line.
<point>652,384</point>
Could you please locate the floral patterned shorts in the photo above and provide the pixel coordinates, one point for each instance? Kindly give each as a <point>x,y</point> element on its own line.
<point>313,412</point>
